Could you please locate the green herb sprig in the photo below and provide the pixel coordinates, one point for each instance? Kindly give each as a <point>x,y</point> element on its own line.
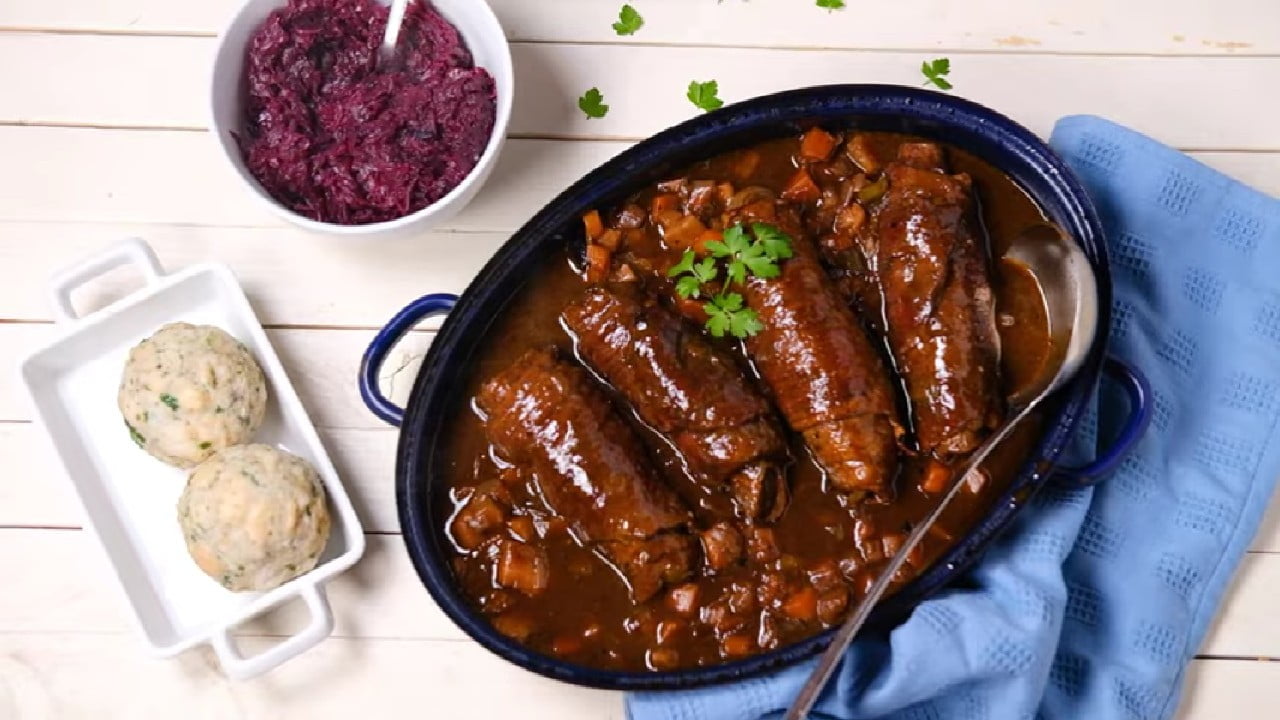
<point>705,95</point>
<point>755,251</point>
<point>935,72</point>
<point>831,4</point>
<point>592,104</point>
<point>629,21</point>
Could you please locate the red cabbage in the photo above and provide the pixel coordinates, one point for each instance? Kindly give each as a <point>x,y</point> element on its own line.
<point>336,138</point>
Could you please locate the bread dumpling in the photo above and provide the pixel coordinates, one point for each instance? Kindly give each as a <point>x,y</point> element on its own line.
<point>189,391</point>
<point>254,517</point>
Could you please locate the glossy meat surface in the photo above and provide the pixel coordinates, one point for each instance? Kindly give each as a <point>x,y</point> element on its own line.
<point>938,302</point>
<point>826,377</point>
<point>547,415</point>
<point>679,384</point>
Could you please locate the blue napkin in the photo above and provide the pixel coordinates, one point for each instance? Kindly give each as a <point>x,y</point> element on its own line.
<point>1095,600</point>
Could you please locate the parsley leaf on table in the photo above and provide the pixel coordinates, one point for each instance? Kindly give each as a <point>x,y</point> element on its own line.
<point>704,95</point>
<point>935,72</point>
<point>592,104</point>
<point>629,21</point>
<point>831,4</point>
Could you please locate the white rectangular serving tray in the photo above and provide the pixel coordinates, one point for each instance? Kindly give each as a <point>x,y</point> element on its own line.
<point>129,499</point>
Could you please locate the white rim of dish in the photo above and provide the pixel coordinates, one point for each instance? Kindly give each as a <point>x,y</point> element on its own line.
<point>502,117</point>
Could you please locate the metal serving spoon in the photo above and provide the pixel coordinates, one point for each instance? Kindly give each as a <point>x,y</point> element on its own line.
<point>394,22</point>
<point>1070,293</point>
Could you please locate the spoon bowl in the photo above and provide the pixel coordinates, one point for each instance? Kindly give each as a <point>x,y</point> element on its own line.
<point>1069,291</point>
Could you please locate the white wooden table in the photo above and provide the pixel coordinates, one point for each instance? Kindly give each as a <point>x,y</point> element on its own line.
<point>102,135</point>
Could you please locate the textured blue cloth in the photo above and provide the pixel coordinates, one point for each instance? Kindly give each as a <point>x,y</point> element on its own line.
<point>1095,600</point>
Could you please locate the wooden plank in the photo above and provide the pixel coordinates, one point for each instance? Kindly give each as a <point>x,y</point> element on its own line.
<point>124,86</point>
<point>1217,689</point>
<point>59,676</point>
<point>382,596</point>
<point>1080,26</point>
<point>176,177</point>
<point>47,676</point>
<point>135,184</point>
<point>265,260</point>
<point>322,365</point>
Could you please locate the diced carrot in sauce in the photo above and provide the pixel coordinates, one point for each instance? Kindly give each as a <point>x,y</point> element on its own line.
<point>668,631</point>
<point>510,477</point>
<point>737,646</point>
<point>662,658</point>
<point>517,626</point>
<point>864,528</point>
<point>725,191</point>
<point>629,217</point>
<point>708,235</point>
<point>761,211</point>
<point>825,575</point>
<point>768,637</point>
<point>611,239</point>
<point>566,644</point>
<point>838,242</point>
<point>801,188</point>
<point>523,567</point>
<point>762,545</point>
<point>598,259</point>
<point>721,546</point>
<point>624,273</point>
<point>976,480</point>
<point>936,530</point>
<point>683,599</point>
<point>662,203</point>
<point>521,527</point>
<point>817,144</point>
<point>936,478</point>
<point>682,233</point>
<point>850,219</point>
<point>667,218</point>
<point>741,598</point>
<point>772,588</point>
<point>747,163</point>
<point>893,542</point>
<point>831,604</point>
<point>692,308</point>
<point>498,601</point>
<point>593,223</point>
<point>480,518</point>
<point>850,566</point>
<point>859,150</point>
<point>802,604</point>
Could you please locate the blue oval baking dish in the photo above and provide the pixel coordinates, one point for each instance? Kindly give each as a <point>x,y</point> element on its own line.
<point>421,491</point>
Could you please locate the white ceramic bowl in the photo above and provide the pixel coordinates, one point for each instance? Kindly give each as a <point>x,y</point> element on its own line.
<point>483,35</point>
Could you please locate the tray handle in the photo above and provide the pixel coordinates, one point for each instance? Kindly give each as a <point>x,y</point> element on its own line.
<point>132,251</point>
<point>239,667</point>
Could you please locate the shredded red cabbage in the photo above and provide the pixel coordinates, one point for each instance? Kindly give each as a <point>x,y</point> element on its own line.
<point>338,139</point>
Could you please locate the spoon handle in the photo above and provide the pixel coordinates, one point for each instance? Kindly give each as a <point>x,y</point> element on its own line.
<point>395,20</point>
<point>844,636</point>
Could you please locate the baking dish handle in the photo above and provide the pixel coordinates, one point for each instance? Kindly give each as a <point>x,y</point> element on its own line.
<point>132,251</point>
<point>371,365</point>
<point>1140,409</point>
<point>238,667</point>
